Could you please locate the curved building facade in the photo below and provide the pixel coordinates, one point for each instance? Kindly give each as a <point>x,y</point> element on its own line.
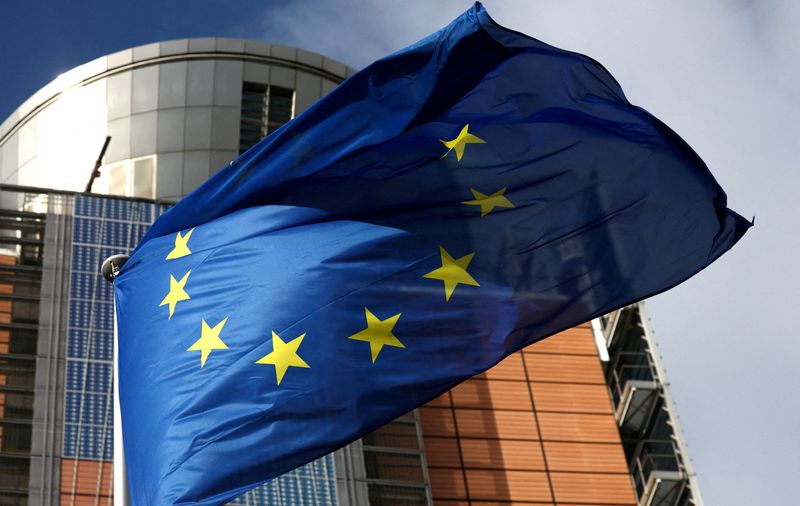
<point>176,112</point>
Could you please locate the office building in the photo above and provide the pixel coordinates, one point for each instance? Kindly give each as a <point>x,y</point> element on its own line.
<point>176,112</point>
<point>583,417</point>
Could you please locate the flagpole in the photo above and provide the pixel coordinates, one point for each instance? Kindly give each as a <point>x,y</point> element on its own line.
<point>110,268</point>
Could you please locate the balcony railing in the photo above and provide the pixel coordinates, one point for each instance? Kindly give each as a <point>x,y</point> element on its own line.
<point>634,387</point>
<point>658,473</point>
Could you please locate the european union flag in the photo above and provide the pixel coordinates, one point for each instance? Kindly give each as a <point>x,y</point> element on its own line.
<point>448,205</point>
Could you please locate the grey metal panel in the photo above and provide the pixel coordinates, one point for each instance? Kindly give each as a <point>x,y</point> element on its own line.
<point>334,67</point>
<point>309,58</point>
<point>284,52</point>
<point>225,128</point>
<point>282,76</point>
<point>307,91</point>
<point>26,150</point>
<point>146,52</point>
<point>169,176</point>
<point>201,45</point>
<point>200,83</point>
<point>170,129</point>
<point>256,73</point>
<point>170,47</point>
<point>195,169</point>
<point>145,89</point>
<point>143,134</point>
<point>220,159</point>
<point>120,146</point>
<point>12,178</point>
<point>228,82</point>
<point>10,153</point>
<point>197,133</point>
<point>172,85</point>
<point>257,48</point>
<point>327,86</point>
<point>48,409</point>
<point>227,45</point>
<point>119,58</point>
<point>118,95</point>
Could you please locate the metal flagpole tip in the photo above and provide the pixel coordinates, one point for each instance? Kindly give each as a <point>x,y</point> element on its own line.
<point>112,265</point>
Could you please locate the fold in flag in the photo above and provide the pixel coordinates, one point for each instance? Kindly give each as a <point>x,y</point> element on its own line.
<point>439,210</point>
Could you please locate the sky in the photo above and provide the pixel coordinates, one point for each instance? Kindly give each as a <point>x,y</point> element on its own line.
<point>722,73</point>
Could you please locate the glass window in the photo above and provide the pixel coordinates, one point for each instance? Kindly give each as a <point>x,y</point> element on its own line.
<point>251,124</point>
<point>264,110</point>
<point>280,108</point>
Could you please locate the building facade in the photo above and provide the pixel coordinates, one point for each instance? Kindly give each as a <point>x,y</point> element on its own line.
<point>582,418</point>
<point>176,112</point>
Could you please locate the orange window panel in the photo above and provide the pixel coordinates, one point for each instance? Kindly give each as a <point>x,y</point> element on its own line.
<point>492,394</point>
<point>5,336</point>
<point>82,500</point>
<point>442,452</point>
<point>443,400</point>
<point>510,368</point>
<point>396,467</point>
<point>589,488</point>
<point>577,340</point>
<point>585,457</point>
<point>496,423</point>
<point>571,397</point>
<point>448,502</point>
<point>578,427</point>
<point>564,368</point>
<point>86,479</point>
<point>512,503</point>
<point>437,421</point>
<point>502,454</point>
<point>447,483</point>
<point>508,485</point>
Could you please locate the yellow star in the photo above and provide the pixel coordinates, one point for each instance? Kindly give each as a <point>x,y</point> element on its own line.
<point>489,202</point>
<point>176,292</point>
<point>460,142</point>
<point>453,272</point>
<point>378,333</point>
<point>209,341</point>
<point>283,355</point>
<point>181,248</point>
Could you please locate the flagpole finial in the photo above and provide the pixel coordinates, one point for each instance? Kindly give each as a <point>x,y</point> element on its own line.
<point>112,265</point>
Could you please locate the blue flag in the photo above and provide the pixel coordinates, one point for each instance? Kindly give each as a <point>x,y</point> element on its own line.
<point>441,209</point>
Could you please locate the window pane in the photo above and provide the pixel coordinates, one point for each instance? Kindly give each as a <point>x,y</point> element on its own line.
<point>280,108</point>
<point>251,126</point>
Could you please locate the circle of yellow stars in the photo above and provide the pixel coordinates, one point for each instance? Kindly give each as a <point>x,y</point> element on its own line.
<point>378,332</point>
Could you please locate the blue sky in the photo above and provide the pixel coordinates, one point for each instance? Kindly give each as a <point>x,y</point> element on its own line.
<point>722,73</point>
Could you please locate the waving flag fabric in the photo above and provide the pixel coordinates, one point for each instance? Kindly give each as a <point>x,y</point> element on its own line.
<point>446,206</point>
